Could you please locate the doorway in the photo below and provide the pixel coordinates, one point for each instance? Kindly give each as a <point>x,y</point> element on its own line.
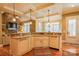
<point>72,29</point>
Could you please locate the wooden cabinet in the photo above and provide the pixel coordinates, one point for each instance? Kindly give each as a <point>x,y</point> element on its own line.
<point>31,45</point>
<point>40,41</point>
<point>5,39</point>
<point>55,42</point>
<point>14,46</point>
<point>23,46</point>
<point>45,43</point>
<point>19,46</point>
<point>37,42</point>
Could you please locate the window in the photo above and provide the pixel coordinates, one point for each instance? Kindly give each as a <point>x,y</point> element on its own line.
<point>47,27</point>
<point>52,27</point>
<point>72,27</point>
<point>26,27</point>
<point>55,27</point>
<point>38,26</point>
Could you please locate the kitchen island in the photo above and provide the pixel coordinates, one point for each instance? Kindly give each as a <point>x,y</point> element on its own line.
<point>22,43</point>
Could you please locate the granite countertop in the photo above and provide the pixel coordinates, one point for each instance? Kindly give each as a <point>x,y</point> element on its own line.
<point>17,37</point>
<point>25,35</point>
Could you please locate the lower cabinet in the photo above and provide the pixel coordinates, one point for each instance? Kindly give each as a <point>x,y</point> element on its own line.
<point>54,42</point>
<point>41,41</point>
<point>20,46</point>
<point>31,44</point>
<point>23,46</point>
<point>6,40</point>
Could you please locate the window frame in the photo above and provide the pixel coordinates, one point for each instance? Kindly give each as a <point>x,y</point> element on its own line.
<point>37,26</point>
<point>54,26</point>
<point>72,18</point>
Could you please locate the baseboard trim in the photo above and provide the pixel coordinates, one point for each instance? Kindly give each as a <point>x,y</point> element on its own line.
<point>71,43</point>
<point>54,48</point>
<point>6,45</point>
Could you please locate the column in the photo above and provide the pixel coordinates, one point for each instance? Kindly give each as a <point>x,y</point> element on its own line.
<point>0,28</point>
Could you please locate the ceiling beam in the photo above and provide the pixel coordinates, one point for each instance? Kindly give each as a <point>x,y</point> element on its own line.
<point>71,13</point>
<point>40,7</point>
<point>8,9</point>
<point>48,15</point>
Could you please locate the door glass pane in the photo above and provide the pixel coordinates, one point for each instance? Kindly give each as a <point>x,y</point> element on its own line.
<point>26,27</point>
<point>72,27</point>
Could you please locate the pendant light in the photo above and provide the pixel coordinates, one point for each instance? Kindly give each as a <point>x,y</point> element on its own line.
<point>48,18</point>
<point>48,21</point>
<point>30,17</point>
<point>49,27</point>
<point>14,18</point>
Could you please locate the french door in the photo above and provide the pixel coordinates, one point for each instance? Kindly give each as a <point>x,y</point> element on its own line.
<point>72,29</point>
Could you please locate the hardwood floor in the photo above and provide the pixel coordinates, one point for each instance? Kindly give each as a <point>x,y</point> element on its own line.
<point>41,52</point>
<point>5,51</point>
<point>70,49</point>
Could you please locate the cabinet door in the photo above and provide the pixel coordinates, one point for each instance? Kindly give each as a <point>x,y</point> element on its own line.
<point>23,46</point>
<point>41,41</point>
<point>30,43</point>
<point>6,40</point>
<point>37,43</point>
<point>45,41</point>
<point>54,42</point>
<point>14,46</point>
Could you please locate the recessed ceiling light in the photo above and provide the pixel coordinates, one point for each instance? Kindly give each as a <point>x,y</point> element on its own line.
<point>72,5</point>
<point>17,16</point>
<point>14,19</point>
<point>30,22</point>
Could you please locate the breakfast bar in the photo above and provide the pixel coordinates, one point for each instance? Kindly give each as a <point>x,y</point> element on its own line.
<point>22,43</point>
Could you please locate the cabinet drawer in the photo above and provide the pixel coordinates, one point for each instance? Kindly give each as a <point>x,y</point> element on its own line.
<point>37,43</point>
<point>41,42</point>
<point>45,43</point>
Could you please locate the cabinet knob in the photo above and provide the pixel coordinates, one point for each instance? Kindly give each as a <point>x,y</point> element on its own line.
<point>41,41</point>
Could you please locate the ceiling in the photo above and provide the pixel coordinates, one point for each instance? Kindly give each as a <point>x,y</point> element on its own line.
<point>39,10</point>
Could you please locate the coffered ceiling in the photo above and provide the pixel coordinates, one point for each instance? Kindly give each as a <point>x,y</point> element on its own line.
<point>70,7</point>
<point>39,10</point>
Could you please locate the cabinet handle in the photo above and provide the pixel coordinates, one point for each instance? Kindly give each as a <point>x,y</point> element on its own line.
<point>41,41</point>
